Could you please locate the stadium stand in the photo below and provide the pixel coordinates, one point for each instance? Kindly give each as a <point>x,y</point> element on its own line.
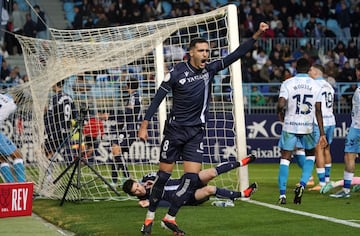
<point>62,14</point>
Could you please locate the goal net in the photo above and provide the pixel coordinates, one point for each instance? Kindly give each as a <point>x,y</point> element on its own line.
<point>95,67</point>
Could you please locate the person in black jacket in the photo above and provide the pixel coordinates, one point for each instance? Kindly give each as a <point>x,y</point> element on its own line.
<point>41,27</point>
<point>29,26</point>
<point>78,19</point>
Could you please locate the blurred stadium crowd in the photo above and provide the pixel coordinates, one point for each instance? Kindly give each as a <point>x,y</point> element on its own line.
<point>325,32</point>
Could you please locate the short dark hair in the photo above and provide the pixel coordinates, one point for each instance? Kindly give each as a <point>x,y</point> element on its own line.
<point>319,67</point>
<point>195,41</point>
<point>302,65</point>
<point>127,186</point>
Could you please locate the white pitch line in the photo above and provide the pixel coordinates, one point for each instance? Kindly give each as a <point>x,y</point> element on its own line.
<point>52,226</point>
<point>321,217</point>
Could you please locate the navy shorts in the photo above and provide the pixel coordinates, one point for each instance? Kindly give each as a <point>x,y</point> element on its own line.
<point>192,201</point>
<point>182,143</point>
<point>171,189</point>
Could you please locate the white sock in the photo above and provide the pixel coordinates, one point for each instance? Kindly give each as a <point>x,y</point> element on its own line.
<point>150,215</point>
<point>169,217</point>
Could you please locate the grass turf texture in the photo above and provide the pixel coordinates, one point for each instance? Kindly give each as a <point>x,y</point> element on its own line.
<point>126,217</point>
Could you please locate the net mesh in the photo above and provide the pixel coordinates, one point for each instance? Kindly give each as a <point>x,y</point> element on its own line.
<point>94,67</point>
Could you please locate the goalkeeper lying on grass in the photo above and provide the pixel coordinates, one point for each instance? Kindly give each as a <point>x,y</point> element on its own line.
<point>203,191</point>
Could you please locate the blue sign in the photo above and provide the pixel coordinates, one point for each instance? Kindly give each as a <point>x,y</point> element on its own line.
<point>263,132</point>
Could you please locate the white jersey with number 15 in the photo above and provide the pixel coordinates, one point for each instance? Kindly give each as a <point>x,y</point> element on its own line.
<point>301,93</point>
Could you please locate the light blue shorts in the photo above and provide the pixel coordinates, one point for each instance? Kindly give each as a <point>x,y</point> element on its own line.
<point>289,141</point>
<point>329,133</point>
<point>352,141</point>
<point>7,147</point>
<point>299,145</point>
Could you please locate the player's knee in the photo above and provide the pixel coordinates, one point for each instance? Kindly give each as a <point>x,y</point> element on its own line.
<point>16,154</point>
<point>212,173</point>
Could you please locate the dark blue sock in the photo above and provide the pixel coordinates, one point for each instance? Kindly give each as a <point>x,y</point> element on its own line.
<point>225,193</point>
<point>226,166</point>
<point>157,189</point>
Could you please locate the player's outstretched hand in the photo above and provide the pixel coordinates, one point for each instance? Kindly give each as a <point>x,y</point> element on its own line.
<point>263,27</point>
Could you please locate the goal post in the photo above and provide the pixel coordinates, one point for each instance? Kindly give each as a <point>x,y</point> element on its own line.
<point>240,128</point>
<point>95,66</point>
<point>159,58</point>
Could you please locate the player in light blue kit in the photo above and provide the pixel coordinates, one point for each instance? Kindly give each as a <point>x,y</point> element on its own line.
<point>7,147</point>
<point>323,155</point>
<point>298,105</point>
<point>190,83</point>
<point>352,142</point>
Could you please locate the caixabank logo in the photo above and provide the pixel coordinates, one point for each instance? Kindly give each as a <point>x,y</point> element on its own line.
<point>257,129</point>
<point>263,133</point>
<point>267,126</point>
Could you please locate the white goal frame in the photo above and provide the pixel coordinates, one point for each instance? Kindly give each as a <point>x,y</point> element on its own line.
<point>50,61</point>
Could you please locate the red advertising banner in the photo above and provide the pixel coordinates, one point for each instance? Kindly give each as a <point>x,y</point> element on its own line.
<point>16,199</point>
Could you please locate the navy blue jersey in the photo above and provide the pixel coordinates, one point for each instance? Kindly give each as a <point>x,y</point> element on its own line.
<point>132,112</point>
<point>114,127</point>
<point>149,177</point>
<point>191,88</point>
<point>61,111</point>
<point>122,128</point>
<point>169,189</point>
